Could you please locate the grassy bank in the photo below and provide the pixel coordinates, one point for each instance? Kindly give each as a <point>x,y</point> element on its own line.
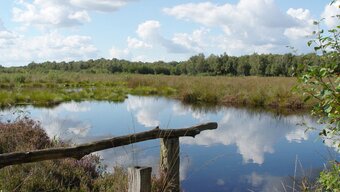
<point>53,88</point>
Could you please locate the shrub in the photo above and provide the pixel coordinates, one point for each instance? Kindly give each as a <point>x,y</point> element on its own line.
<point>57,175</point>
<point>330,178</point>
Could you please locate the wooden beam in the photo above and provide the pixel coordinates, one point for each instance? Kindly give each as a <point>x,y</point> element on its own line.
<point>169,164</point>
<point>80,151</point>
<point>139,179</point>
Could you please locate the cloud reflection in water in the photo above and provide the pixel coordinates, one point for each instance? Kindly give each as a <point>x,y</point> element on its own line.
<point>146,109</point>
<point>254,134</point>
<point>65,126</point>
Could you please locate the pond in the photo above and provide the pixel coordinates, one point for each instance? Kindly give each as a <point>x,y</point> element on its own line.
<point>250,150</point>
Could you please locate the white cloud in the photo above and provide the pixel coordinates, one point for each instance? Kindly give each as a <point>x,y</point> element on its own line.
<point>330,13</point>
<point>49,13</point>
<point>119,54</point>
<point>6,37</point>
<point>195,41</point>
<point>149,36</point>
<point>245,27</point>
<point>20,50</point>
<point>61,13</point>
<point>246,16</point>
<point>306,26</point>
<point>100,5</point>
<point>248,26</point>
<point>149,30</point>
<point>205,13</point>
<point>80,16</point>
<point>136,44</point>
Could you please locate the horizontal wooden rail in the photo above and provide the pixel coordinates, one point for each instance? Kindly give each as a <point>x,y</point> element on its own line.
<point>80,151</point>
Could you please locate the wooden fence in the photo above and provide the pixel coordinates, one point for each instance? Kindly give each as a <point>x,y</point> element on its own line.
<point>139,177</point>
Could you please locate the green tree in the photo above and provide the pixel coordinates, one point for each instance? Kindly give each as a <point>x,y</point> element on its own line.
<point>215,65</point>
<point>243,67</point>
<point>322,81</point>
<point>199,63</point>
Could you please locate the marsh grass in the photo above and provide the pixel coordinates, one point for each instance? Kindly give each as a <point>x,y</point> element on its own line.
<point>54,88</point>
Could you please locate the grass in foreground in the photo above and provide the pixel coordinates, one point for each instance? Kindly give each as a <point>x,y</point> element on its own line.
<point>53,88</point>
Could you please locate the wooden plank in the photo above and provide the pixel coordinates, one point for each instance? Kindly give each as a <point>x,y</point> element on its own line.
<point>169,164</point>
<point>139,179</point>
<point>80,151</point>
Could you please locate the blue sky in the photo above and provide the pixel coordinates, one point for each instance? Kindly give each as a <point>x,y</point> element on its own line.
<point>151,30</point>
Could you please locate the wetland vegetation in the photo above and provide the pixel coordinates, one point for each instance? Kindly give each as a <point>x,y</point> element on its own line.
<point>47,89</point>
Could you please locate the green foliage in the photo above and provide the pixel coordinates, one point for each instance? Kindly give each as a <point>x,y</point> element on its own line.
<point>20,79</point>
<point>322,82</point>
<point>330,178</point>
<point>116,182</point>
<point>255,64</point>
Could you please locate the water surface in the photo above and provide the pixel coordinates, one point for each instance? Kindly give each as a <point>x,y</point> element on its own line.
<point>250,151</point>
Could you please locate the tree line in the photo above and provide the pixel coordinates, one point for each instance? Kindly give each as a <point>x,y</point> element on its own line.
<point>255,65</point>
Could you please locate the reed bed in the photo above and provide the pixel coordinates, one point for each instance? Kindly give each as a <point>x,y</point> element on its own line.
<point>54,88</point>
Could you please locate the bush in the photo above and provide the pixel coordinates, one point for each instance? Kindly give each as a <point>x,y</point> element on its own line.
<point>330,178</point>
<point>57,175</point>
<point>23,134</point>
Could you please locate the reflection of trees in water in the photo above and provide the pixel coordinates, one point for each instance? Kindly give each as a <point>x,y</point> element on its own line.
<point>274,111</point>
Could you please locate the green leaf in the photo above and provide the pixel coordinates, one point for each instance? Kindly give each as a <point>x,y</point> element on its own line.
<point>328,109</point>
<point>309,43</point>
<point>323,72</point>
<point>307,98</point>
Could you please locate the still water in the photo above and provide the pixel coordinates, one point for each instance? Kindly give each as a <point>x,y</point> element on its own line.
<point>250,151</point>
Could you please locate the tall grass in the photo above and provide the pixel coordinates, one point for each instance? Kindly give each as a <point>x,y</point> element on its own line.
<point>53,88</point>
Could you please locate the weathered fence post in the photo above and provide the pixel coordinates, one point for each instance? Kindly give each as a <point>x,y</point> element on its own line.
<point>139,179</point>
<point>169,163</point>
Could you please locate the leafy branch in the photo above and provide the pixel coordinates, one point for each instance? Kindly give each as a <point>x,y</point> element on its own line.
<point>322,82</point>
